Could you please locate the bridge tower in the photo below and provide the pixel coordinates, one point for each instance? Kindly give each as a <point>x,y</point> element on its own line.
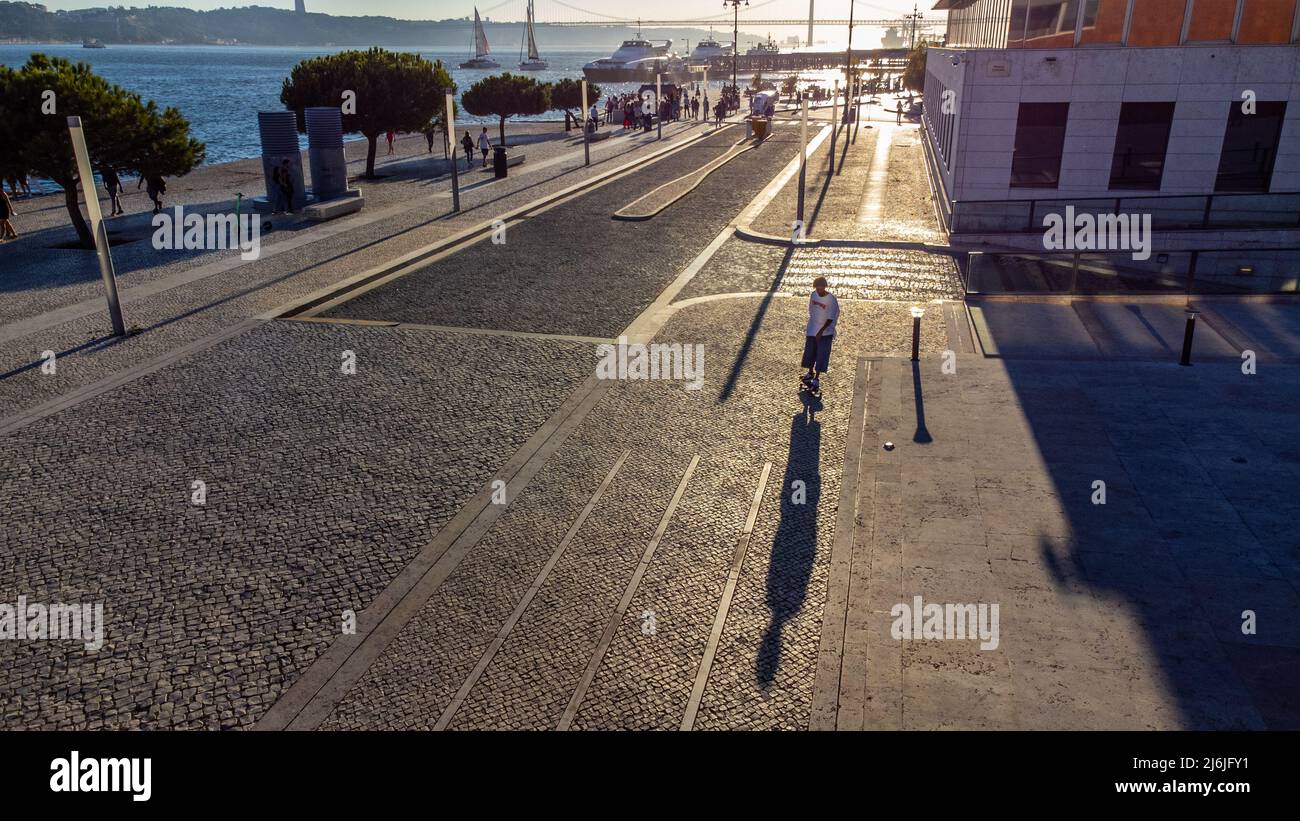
<point>810,22</point>
<point>300,6</point>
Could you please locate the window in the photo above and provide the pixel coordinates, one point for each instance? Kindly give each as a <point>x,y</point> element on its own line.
<point>1140,144</point>
<point>1051,17</point>
<point>1040,136</point>
<point>1103,21</point>
<point>1250,147</point>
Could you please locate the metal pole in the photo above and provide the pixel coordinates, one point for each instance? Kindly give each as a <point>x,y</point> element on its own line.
<point>659,103</point>
<point>87,180</point>
<point>1187,338</point>
<point>848,65</point>
<point>586,136</point>
<point>451,135</point>
<point>803,154</point>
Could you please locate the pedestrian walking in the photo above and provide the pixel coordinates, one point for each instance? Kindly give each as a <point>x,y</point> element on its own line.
<point>484,144</point>
<point>7,212</point>
<point>468,142</point>
<point>155,187</point>
<point>113,185</point>
<point>898,113</point>
<point>428,136</point>
<point>823,314</point>
<point>390,136</point>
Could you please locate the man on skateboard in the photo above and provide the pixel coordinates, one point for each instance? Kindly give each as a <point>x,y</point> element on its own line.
<point>823,314</point>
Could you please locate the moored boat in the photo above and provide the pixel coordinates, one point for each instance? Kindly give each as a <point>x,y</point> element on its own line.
<point>481,48</point>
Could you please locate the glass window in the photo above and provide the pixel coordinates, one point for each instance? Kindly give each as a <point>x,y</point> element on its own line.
<point>1211,21</point>
<point>1140,144</point>
<point>1016,33</point>
<point>1103,21</point>
<point>1048,18</point>
<point>1250,147</point>
<point>1040,136</point>
<point>1266,21</point>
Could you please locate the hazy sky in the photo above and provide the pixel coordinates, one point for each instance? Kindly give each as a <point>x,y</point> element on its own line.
<point>546,9</point>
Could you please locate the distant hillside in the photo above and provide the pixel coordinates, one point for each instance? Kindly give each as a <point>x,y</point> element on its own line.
<point>264,26</point>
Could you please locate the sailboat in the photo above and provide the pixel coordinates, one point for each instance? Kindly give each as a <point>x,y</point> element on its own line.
<point>481,48</point>
<point>534,62</point>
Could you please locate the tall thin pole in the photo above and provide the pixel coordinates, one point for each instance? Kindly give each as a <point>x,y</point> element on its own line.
<point>659,103</point>
<point>803,154</point>
<point>451,136</point>
<point>586,134</point>
<point>87,180</point>
<point>810,22</point>
<point>848,64</point>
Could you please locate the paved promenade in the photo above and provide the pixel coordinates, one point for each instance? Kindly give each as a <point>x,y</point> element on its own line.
<point>423,510</point>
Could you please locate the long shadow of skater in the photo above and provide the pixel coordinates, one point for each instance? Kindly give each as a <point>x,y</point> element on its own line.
<point>795,545</point>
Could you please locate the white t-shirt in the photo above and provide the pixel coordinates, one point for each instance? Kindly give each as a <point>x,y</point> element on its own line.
<point>820,309</point>
<point>483,141</point>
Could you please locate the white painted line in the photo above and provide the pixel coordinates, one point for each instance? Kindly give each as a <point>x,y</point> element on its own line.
<point>504,632</point>
<point>737,562</point>
<point>614,620</point>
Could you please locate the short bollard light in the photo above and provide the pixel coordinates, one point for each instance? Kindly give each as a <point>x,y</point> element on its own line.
<point>1187,337</point>
<point>917,313</point>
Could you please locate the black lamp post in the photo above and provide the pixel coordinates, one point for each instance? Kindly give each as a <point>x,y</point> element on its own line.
<point>735,41</point>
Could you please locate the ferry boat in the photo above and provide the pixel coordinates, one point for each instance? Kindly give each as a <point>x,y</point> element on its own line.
<point>638,60</point>
<point>481,48</point>
<point>534,61</point>
<point>91,42</point>
<point>708,49</point>
<point>763,49</point>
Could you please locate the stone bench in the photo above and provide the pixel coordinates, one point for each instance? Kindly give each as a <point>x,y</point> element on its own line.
<point>330,209</point>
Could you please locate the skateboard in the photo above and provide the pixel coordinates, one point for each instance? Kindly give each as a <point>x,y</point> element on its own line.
<point>810,386</point>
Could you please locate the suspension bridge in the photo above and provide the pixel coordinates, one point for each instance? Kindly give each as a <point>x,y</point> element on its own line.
<point>569,15</point>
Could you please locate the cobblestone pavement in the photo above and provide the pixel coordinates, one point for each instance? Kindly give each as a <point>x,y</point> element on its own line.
<point>183,314</point>
<point>320,488</point>
<point>747,413</point>
<point>582,272</point>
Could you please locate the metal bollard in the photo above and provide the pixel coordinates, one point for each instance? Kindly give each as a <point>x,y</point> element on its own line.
<point>1187,337</point>
<point>917,313</point>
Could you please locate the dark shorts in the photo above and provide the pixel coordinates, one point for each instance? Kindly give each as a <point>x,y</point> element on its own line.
<point>817,353</point>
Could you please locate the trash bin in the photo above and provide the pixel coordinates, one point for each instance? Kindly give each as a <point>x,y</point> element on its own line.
<point>499,161</point>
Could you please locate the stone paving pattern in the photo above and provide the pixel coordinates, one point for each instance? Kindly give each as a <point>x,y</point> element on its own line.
<point>762,676</point>
<point>576,270</point>
<point>321,487</point>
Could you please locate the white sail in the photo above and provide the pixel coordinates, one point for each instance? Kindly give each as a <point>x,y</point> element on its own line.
<point>532,38</point>
<point>481,48</point>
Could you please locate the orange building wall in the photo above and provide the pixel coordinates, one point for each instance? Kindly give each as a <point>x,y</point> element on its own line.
<point>1266,21</point>
<point>1157,22</point>
<point>1109,27</point>
<point>1211,20</point>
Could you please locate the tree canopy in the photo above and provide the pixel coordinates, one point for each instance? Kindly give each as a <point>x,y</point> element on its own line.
<point>914,74</point>
<point>507,95</point>
<point>122,131</point>
<point>391,91</point>
<point>567,94</point>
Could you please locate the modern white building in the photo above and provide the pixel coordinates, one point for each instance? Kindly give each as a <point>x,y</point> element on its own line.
<point>1185,109</point>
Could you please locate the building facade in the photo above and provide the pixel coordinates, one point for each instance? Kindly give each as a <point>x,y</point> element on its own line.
<point>1185,109</point>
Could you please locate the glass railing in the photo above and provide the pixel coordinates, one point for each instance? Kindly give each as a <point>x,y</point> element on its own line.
<point>1168,213</point>
<point>1221,271</point>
